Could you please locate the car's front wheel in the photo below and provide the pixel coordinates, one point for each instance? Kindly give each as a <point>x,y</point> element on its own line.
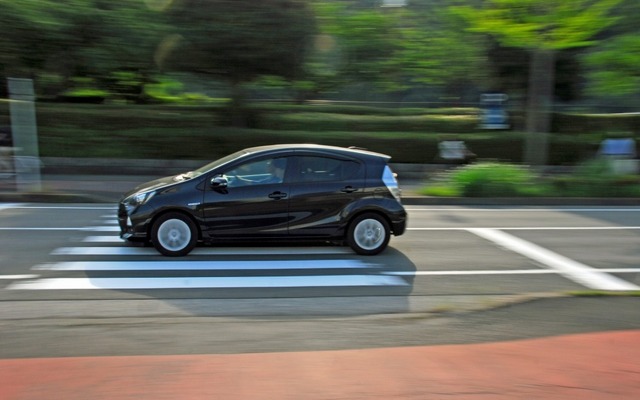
<point>368,234</point>
<point>174,235</point>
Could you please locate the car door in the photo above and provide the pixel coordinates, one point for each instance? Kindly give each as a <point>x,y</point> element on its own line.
<point>322,187</point>
<point>251,202</point>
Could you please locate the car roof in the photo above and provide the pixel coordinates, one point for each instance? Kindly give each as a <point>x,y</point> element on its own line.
<point>346,151</point>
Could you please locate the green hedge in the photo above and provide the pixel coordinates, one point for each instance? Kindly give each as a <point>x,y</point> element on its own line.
<point>603,123</point>
<point>370,123</point>
<point>196,132</point>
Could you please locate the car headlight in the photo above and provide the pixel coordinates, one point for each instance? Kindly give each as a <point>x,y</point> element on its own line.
<point>136,200</point>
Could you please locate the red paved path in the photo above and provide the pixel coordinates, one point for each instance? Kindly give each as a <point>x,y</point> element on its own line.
<point>587,366</point>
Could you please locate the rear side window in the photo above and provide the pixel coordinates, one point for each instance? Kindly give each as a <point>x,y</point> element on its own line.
<point>326,169</point>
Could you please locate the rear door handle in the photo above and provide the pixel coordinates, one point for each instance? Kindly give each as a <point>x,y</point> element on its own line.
<point>277,195</point>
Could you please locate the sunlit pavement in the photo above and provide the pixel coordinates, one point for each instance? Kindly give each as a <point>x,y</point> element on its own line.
<point>585,366</point>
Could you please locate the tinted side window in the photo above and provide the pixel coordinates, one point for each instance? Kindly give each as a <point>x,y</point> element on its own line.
<point>325,169</point>
<point>262,172</point>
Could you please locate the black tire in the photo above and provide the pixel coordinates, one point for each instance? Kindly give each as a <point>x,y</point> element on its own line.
<point>368,234</point>
<point>174,235</point>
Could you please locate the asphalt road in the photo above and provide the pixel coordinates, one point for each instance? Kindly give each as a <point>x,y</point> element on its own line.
<point>69,286</point>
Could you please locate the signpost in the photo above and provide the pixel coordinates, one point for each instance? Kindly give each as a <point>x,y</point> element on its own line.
<point>25,135</point>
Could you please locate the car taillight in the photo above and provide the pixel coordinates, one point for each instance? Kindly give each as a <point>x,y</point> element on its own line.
<point>389,179</point>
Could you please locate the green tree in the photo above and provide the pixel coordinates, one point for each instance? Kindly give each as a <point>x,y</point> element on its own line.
<point>29,37</point>
<point>436,50</point>
<point>542,27</point>
<point>58,41</point>
<point>614,63</point>
<point>241,40</point>
<point>356,42</point>
<point>616,67</point>
<point>398,48</point>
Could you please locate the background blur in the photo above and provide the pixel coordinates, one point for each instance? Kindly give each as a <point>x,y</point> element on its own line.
<point>198,79</point>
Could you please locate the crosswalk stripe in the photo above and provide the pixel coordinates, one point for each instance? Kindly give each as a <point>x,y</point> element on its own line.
<point>103,228</point>
<point>209,282</point>
<point>118,266</point>
<point>148,251</point>
<point>103,239</point>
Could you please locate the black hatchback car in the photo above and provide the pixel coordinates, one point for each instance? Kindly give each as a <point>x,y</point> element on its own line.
<point>270,193</point>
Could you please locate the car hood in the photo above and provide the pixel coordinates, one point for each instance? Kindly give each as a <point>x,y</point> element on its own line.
<point>155,184</point>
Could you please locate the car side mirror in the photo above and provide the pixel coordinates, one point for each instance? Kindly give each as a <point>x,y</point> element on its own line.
<point>219,182</point>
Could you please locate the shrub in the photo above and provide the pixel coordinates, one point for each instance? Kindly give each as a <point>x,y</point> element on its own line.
<point>595,179</point>
<point>492,179</point>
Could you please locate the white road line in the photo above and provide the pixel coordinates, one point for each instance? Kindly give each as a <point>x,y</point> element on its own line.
<point>80,228</point>
<point>503,272</point>
<point>516,209</point>
<point>117,266</point>
<point>209,283</point>
<point>577,272</point>
<point>103,239</point>
<point>34,207</point>
<point>530,228</point>
<point>209,251</point>
<point>536,228</point>
<point>9,206</point>
<point>101,228</point>
<point>16,277</point>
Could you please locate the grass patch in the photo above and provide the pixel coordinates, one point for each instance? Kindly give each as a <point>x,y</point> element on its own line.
<point>604,293</point>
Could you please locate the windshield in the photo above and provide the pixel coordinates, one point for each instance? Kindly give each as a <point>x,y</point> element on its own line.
<point>215,164</point>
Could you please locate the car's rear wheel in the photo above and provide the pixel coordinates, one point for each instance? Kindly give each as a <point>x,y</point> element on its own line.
<point>368,234</point>
<point>174,235</point>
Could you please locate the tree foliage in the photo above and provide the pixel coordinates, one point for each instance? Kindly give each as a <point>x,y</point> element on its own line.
<point>616,68</point>
<point>240,40</point>
<point>542,27</point>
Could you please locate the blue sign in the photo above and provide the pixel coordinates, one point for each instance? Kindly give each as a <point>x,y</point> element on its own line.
<point>494,115</point>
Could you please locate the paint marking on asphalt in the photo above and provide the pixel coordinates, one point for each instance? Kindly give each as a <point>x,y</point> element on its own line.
<point>17,277</point>
<point>504,272</point>
<point>37,207</point>
<point>202,265</point>
<point>9,206</point>
<point>516,209</point>
<point>531,228</point>
<point>573,270</point>
<point>103,239</point>
<point>537,228</point>
<point>209,282</point>
<point>199,251</point>
<point>80,228</point>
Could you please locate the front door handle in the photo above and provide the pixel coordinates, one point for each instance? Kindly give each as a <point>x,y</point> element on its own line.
<point>277,195</point>
<point>348,189</point>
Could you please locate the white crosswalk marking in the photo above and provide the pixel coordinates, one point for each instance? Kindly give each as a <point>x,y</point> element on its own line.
<point>210,282</point>
<point>245,273</point>
<point>200,251</point>
<point>203,265</point>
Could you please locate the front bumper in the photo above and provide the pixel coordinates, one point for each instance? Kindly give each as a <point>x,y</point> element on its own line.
<point>129,229</point>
